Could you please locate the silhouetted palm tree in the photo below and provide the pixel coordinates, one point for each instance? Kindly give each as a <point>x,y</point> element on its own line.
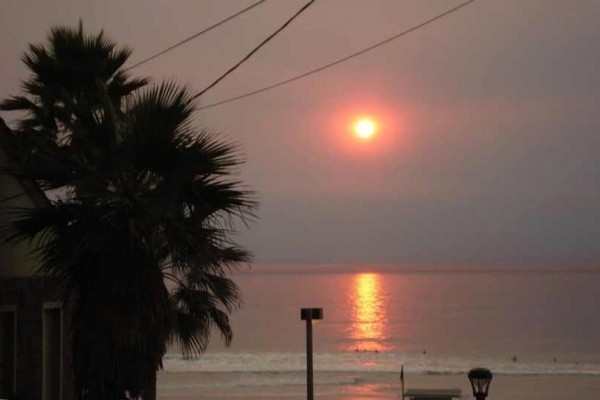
<point>139,198</point>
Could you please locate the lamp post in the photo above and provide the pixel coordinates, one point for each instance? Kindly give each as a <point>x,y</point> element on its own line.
<point>480,379</point>
<point>308,315</point>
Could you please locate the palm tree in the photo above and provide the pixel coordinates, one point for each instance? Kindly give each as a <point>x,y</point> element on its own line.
<point>140,198</point>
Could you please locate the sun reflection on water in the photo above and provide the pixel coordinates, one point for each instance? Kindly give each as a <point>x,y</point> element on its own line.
<point>369,315</point>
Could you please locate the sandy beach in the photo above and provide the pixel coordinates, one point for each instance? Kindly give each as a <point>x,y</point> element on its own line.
<point>192,385</point>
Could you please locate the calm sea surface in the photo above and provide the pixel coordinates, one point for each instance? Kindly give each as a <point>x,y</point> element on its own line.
<point>434,321</point>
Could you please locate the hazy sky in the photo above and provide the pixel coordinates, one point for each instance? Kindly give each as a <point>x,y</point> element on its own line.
<point>490,130</point>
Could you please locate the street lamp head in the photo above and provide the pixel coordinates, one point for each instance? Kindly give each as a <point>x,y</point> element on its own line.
<point>480,379</point>
<point>311,313</point>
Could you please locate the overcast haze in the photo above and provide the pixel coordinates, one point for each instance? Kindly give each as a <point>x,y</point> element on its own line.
<point>488,149</point>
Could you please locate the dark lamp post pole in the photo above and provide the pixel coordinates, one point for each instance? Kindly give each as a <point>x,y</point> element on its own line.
<point>480,379</point>
<point>308,315</point>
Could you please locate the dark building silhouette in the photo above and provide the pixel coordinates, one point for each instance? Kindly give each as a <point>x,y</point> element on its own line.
<point>34,350</point>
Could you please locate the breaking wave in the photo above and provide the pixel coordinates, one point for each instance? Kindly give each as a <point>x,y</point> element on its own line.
<point>271,362</point>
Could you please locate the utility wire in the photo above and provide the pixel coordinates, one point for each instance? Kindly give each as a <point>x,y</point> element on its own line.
<point>297,77</point>
<point>336,62</point>
<point>194,36</point>
<point>271,36</point>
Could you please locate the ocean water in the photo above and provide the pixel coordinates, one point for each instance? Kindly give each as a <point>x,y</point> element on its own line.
<point>431,320</point>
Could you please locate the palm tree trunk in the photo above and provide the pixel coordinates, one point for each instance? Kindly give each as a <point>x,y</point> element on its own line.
<point>150,391</point>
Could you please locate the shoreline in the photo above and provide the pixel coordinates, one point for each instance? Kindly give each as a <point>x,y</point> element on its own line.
<point>230,386</point>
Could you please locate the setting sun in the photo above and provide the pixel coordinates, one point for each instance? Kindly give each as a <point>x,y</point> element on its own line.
<point>365,128</point>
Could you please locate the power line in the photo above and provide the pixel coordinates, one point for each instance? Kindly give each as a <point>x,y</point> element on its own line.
<point>271,36</point>
<point>297,77</point>
<point>339,61</point>
<point>194,36</point>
